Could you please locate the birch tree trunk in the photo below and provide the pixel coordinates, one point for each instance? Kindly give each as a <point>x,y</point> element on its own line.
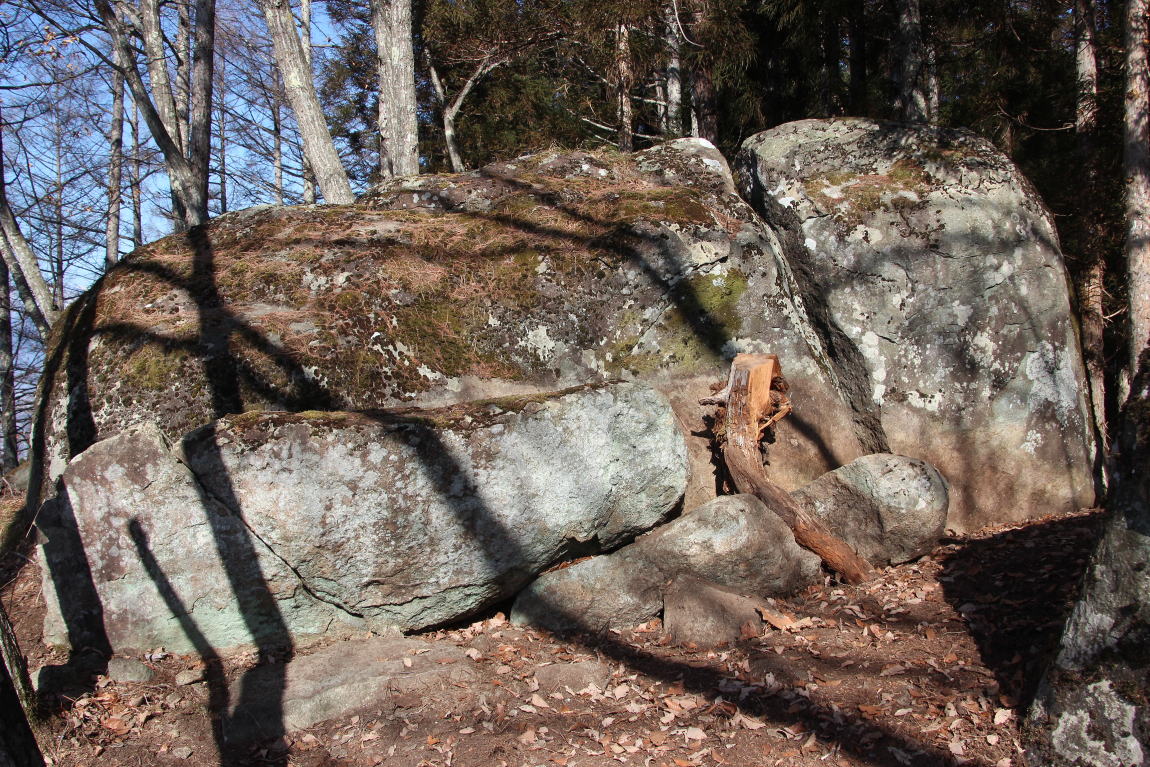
<point>300,89</point>
<point>910,75</point>
<point>17,742</point>
<point>115,169</point>
<point>398,129</point>
<point>1136,160</point>
<point>22,262</point>
<point>673,113</point>
<point>624,79</point>
<point>450,110</point>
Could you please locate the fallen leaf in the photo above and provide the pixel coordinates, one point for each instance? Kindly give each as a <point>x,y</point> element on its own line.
<point>778,620</point>
<point>620,691</point>
<point>528,736</point>
<point>407,662</point>
<point>658,737</point>
<point>537,701</point>
<point>992,739</point>
<point>956,747</point>
<point>870,710</point>
<point>1002,715</point>
<point>694,733</point>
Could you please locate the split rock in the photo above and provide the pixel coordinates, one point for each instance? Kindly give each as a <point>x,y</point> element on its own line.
<point>734,541</point>
<point>889,508</point>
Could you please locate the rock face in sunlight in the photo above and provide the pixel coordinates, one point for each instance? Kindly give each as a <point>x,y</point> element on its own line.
<point>933,274</point>
<point>270,528</point>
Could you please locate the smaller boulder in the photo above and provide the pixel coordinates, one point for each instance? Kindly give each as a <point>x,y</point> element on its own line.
<point>706,614</point>
<point>889,508</point>
<point>734,541</point>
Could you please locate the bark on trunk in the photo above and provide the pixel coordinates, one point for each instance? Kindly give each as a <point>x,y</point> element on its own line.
<point>17,742</point>
<point>755,398</point>
<point>832,53</point>
<point>910,74</point>
<point>22,262</point>
<point>398,136</point>
<point>1089,278</point>
<point>200,106</point>
<point>673,113</point>
<point>624,79</point>
<point>704,104</point>
<point>450,111</point>
<point>308,174</point>
<point>1136,159</point>
<point>135,183</point>
<point>115,168</point>
<point>300,89</point>
<point>9,447</point>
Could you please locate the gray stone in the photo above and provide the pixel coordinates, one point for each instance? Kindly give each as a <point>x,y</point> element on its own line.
<point>190,676</point>
<point>734,541</point>
<point>344,678</point>
<point>128,670</point>
<point>889,508</point>
<point>933,272</point>
<point>574,676</point>
<point>269,528</point>
<point>707,615</point>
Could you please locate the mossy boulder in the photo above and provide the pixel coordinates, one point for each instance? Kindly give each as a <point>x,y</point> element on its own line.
<point>548,271</point>
<point>932,267</point>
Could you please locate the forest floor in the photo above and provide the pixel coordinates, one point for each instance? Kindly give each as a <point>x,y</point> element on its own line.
<point>933,663</point>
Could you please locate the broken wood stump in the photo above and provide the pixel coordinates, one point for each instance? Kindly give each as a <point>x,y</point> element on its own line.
<point>755,399</point>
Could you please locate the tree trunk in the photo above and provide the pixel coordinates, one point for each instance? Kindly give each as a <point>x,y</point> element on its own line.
<point>200,104</point>
<point>398,136</point>
<point>9,447</point>
<point>755,398</point>
<point>136,181</point>
<point>673,112</point>
<point>277,154</point>
<point>222,140</point>
<point>832,53</point>
<point>18,746</point>
<point>300,89</point>
<point>22,262</point>
<point>1089,277</point>
<point>858,68</point>
<point>624,79</point>
<point>704,103</point>
<point>450,111</point>
<point>182,90</point>
<point>305,32</point>
<point>115,168</point>
<point>910,73</point>
<point>1136,160</point>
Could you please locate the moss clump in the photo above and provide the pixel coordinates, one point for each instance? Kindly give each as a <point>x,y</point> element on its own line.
<point>152,367</point>
<point>853,198</point>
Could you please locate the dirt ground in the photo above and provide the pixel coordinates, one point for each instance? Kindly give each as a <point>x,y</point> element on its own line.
<point>933,663</point>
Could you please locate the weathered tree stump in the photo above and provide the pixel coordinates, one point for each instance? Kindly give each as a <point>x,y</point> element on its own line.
<point>755,399</point>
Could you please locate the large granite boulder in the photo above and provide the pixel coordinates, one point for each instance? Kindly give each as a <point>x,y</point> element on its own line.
<point>734,541</point>
<point>889,508</point>
<point>273,527</point>
<point>932,270</point>
<point>564,268</point>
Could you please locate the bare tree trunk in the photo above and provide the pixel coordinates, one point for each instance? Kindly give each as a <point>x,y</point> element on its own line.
<point>58,223</point>
<point>9,447</point>
<point>200,106</point>
<point>309,183</point>
<point>22,263</point>
<point>115,169</point>
<point>136,181</point>
<point>188,179</point>
<point>450,111</point>
<point>1089,278</point>
<point>398,128</point>
<point>910,75</point>
<point>183,89</point>
<point>1136,159</point>
<point>277,154</point>
<point>222,134</point>
<point>18,746</point>
<point>858,68</point>
<point>624,79</point>
<point>933,89</point>
<point>300,88</point>
<point>832,55</point>
<point>673,127</point>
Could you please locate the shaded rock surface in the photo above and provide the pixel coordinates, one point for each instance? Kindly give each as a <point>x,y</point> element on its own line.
<point>708,615</point>
<point>265,527</point>
<point>381,673</point>
<point>734,541</point>
<point>932,272</point>
<point>889,508</point>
